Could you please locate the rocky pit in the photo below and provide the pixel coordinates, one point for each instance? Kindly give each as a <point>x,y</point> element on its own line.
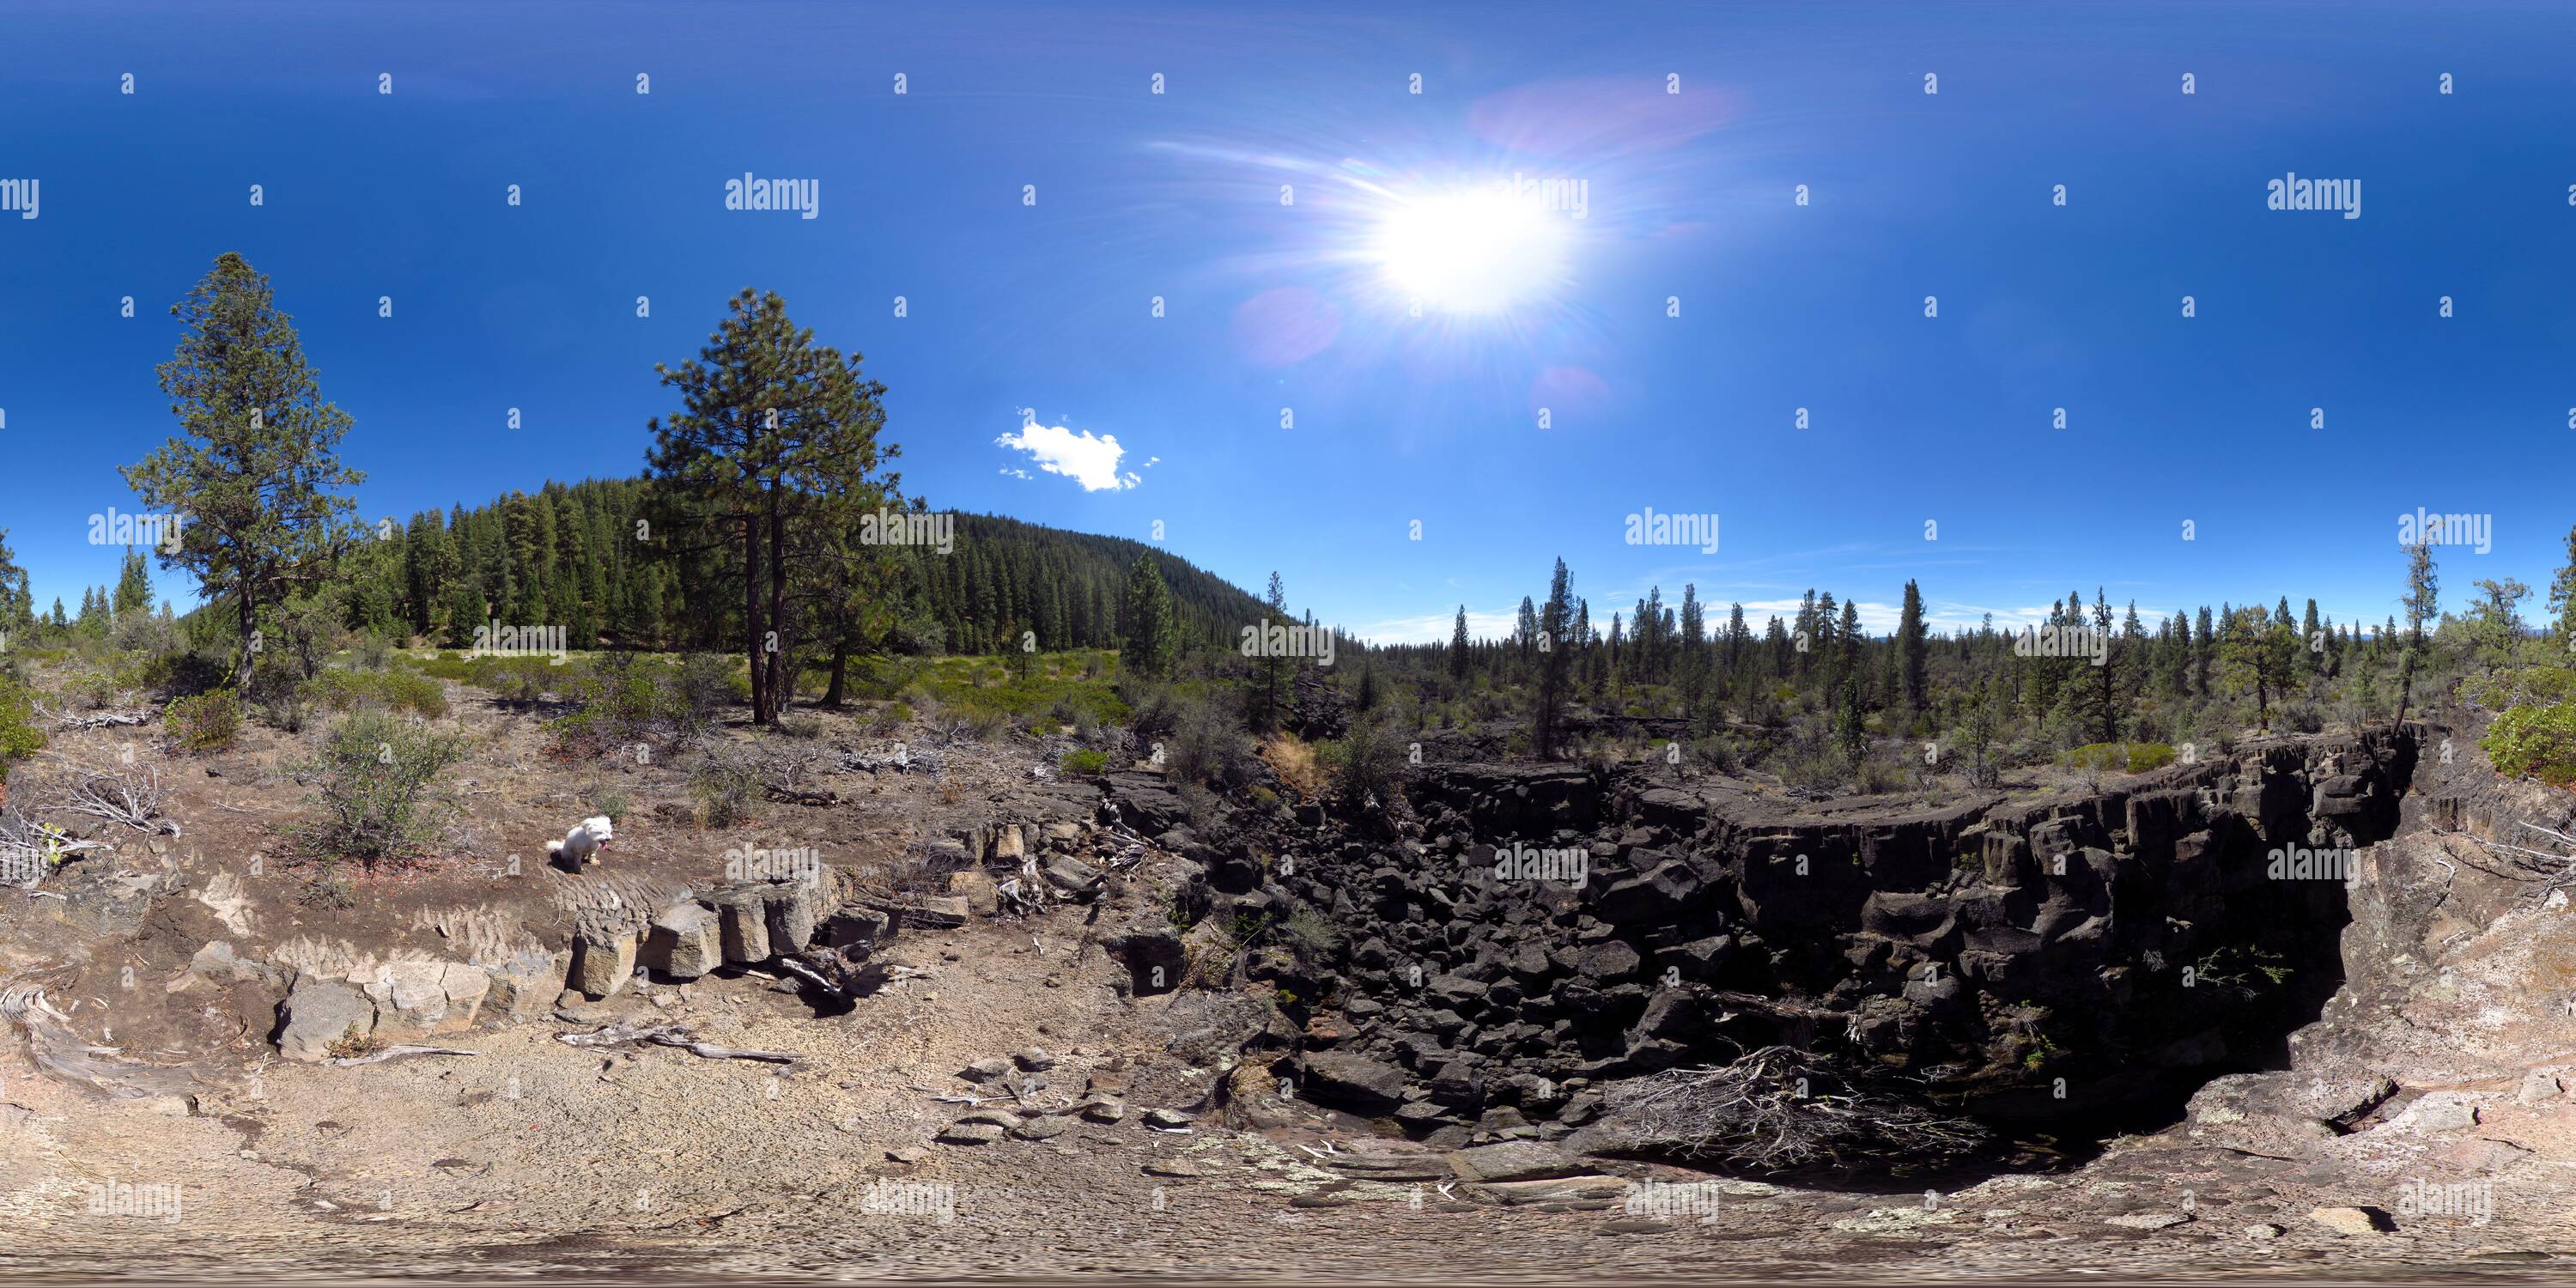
<point>1015,1025</point>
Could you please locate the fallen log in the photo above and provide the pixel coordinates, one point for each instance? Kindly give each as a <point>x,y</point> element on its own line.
<point>670,1035</point>
<point>396,1053</point>
<point>101,720</point>
<point>800,796</point>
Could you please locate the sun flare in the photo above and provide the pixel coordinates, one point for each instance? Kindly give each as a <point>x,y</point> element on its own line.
<point>1470,251</point>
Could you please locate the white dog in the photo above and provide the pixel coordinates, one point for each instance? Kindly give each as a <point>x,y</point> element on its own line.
<point>583,843</point>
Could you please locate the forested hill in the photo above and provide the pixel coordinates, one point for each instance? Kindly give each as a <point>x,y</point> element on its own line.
<point>1065,586</point>
<point>568,555</point>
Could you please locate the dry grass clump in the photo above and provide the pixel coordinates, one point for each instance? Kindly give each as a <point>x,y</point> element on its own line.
<point>1293,760</point>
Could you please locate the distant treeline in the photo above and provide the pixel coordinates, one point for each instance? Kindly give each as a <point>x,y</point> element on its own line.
<point>612,563</point>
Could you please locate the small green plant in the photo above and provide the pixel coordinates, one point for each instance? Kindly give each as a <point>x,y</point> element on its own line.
<point>606,800</point>
<point>210,721</point>
<point>352,1044</point>
<point>1084,763</point>
<point>328,889</point>
<point>2041,1051</point>
<point>1313,937</point>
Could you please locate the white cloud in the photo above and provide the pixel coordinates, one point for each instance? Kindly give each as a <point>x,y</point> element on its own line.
<point>1435,629</point>
<point>1089,460</point>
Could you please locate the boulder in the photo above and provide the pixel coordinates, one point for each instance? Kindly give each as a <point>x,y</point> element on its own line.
<point>1660,895</point>
<point>939,911</point>
<point>685,942</point>
<point>970,1133</point>
<point>1353,1082</point>
<point>980,892</point>
<point>856,927</point>
<point>1073,876</point>
<point>416,998</point>
<point>318,1012</point>
<point>1043,1127</point>
<point>2353,1220</point>
<point>743,926</point>
<point>525,985</point>
<point>216,964</point>
<point>105,904</point>
<point>603,960</point>
<point>1514,1160</point>
<point>793,909</point>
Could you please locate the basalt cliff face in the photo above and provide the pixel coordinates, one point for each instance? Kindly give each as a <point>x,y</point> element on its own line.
<point>1536,933</point>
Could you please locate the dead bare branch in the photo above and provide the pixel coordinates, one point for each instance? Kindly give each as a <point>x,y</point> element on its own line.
<point>131,797</point>
<point>1778,1108</point>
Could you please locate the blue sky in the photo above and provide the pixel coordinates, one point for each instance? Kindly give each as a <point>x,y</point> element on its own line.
<point>1309,306</point>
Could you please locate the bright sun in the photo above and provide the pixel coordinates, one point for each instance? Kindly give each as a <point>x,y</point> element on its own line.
<point>1470,251</point>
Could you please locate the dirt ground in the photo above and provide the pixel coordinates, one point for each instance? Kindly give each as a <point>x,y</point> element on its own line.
<point>529,1155</point>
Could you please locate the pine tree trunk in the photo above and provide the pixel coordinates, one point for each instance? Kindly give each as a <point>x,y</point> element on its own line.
<point>833,696</point>
<point>782,687</point>
<point>249,629</point>
<point>760,710</point>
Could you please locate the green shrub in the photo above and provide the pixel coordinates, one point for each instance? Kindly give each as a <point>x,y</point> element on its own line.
<point>888,719</point>
<point>1367,763</point>
<point>704,685</point>
<point>1084,764</point>
<point>723,783</point>
<point>210,721</point>
<point>615,702</point>
<point>19,736</point>
<point>2535,741</point>
<point>344,690</point>
<point>376,780</point>
<point>1208,746</point>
